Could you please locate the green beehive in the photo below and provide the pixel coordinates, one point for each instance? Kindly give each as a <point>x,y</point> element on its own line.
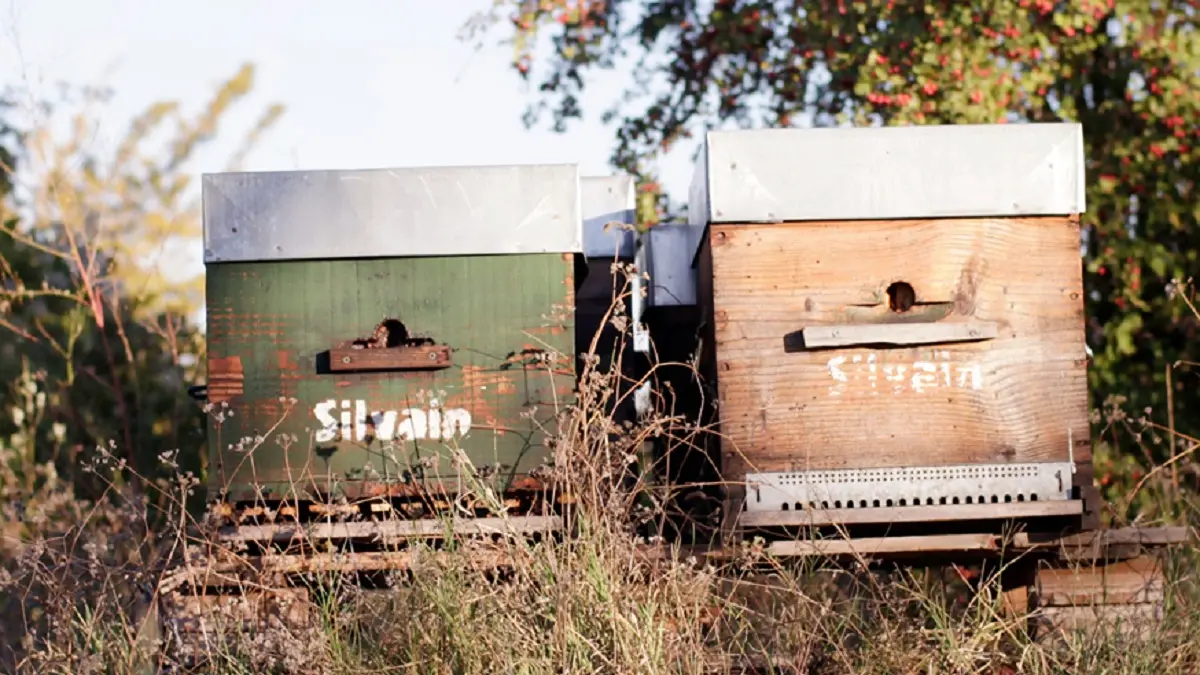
<point>368,330</point>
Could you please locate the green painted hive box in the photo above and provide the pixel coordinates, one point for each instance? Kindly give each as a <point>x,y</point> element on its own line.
<point>391,332</point>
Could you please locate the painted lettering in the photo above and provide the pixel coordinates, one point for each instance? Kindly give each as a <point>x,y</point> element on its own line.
<point>915,375</point>
<point>355,424</point>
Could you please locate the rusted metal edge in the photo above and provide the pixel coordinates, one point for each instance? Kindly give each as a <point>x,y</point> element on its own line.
<point>390,529</point>
<point>910,514</point>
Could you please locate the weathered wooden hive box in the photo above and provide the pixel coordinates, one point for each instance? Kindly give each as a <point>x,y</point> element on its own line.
<point>897,324</point>
<point>471,272</point>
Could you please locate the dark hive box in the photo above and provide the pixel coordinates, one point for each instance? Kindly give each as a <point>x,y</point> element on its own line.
<point>602,325</point>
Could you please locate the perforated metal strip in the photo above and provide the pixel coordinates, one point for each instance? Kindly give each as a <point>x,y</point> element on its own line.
<point>909,486</point>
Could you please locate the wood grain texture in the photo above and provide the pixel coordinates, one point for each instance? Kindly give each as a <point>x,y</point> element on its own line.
<point>861,334</point>
<point>1020,397</point>
<point>1128,595</point>
<point>1110,545</point>
<point>870,546</point>
<point>1135,581</point>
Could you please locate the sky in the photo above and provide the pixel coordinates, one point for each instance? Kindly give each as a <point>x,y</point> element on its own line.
<point>366,84</point>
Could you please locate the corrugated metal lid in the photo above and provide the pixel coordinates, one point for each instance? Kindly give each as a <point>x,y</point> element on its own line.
<point>401,212</point>
<point>669,255</point>
<point>937,171</point>
<point>608,199</point>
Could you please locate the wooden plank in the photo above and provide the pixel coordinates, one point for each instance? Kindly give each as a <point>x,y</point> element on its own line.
<point>910,514</point>
<point>1138,621</point>
<point>850,335</point>
<point>1147,536</point>
<point>1120,583</point>
<point>1021,397</point>
<point>1128,595</point>
<point>947,543</point>
<point>391,529</point>
<point>238,572</point>
<point>1113,544</point>
<point>423,357</point>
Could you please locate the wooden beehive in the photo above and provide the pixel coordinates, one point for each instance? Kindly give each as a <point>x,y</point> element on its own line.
<point>896,321</point>
<point>474,270</point>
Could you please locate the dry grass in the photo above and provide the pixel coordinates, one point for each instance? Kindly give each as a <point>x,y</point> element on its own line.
<point>80,587</point>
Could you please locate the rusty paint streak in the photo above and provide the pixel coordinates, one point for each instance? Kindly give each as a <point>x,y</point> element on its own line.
<point>289,373</point>
<point>569,279</point>
<point>229,325</point>
<point>225,378</point>
<point>480,387</point>
<point>285,362</point>
<point>270,410</point>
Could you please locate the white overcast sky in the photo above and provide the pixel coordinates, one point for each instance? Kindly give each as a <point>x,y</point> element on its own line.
<point>367,83</point>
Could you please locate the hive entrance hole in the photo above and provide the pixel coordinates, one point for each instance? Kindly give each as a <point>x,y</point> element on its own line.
<point>397,332</point>
<point>901,296</point>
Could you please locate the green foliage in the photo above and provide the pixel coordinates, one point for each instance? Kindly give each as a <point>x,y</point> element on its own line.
<point>1128,70</point>
<point>87,316</point>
